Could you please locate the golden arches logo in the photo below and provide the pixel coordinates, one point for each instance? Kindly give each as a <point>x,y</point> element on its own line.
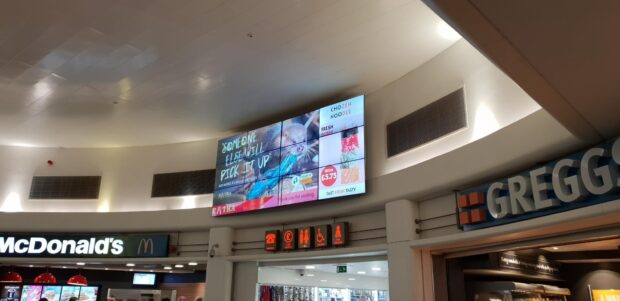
<point>145,247</point>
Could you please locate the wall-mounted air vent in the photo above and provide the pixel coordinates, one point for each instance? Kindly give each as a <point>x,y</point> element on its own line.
<point>442,117</point>
<point>183,183</point>
<point>80,187</point>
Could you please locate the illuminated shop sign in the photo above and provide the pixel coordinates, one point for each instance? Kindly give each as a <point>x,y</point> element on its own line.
<point>582,179</point>
<point>321,236</point>
<point>528,265</point>
<point>83,245</point>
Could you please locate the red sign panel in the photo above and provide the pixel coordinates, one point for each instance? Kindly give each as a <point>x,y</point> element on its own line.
<point>272,240</point>
<point>322,236</point>
<point>306,238</point>
<point>340,234</point>
<point>289,239</point>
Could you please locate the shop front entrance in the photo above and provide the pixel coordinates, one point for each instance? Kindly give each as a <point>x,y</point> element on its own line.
<point>577,266</point>
<point>325,280</point>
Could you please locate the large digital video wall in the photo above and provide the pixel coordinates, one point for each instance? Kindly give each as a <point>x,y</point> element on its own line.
<point>318,155</point>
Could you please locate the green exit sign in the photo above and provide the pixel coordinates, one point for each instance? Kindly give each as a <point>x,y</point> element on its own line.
<point>341,269</point>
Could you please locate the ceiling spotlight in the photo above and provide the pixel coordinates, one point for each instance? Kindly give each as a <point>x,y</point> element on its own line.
<point>555,248</point>
<point>31,265</point>
<point>64,266</point>
<point>131,270</point>
<point>106,269</point>
<point>131,264</point>
<point>310,267</point>
<point>361,272</point>
<point>376,269</point>
<point>151,271</point>
<point>167,268</point>
<point>178,266</point>
<point>80,263</point>
<point>192,263</point>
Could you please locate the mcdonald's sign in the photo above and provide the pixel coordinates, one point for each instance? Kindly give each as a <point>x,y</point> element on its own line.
<point>84,245</point>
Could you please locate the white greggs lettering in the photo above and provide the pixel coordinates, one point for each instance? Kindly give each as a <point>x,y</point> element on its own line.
<point>569,180</point>
<point>40,245</point>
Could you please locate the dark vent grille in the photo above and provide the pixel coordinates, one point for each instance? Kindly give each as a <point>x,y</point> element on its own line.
<point>65,187</point>
<point>433,121</point>
<point>183,183</point>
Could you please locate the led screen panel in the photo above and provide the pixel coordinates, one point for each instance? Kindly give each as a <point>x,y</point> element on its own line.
<point>52,293</point>
<point>68,292</point>
<point>31,292</point>
<point>10,293</point>
<point>144,279</point>
<point>313,156</point>
<point>88,293</point>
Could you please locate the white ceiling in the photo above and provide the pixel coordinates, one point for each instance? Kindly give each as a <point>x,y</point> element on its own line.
<point>601,245</point>
<point>563,53</point>
<point>118,73</point>
<point>576,52</point>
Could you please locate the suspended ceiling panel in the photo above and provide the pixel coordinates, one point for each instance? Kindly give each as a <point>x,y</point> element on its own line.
<point>117,73</point>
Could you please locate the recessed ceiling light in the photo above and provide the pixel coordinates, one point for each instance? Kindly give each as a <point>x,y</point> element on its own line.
<point>192,263</point>
<point>170,272</point>
<point>376,269</point>
<point>555,248</point>
<point>151,271</point>
<point>362,272</point>
<point>352,279</point>
<point>131,264</point>
<point>310,275</point>
<point>323,280</point>
<point>310,267</point>
<point>167,268</point>
<point>64,266</point>
<point>131,270</point>
<point>106,269</point>
<point>80,263</point>
<point>178,266</point>
<point>31,265</point>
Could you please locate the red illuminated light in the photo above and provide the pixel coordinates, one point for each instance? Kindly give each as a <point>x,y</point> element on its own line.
<point>272,240</point>
<point>305,238</point>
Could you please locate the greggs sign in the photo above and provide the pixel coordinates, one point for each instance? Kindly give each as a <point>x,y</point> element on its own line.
<point>83,246</point>
<point>317,237</point>
<point>582,179</point>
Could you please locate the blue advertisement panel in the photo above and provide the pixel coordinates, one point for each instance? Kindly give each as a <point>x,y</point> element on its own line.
<point>583,179</point>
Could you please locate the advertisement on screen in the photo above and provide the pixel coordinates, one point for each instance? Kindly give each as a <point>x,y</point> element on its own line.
<point>342,180</point>
<point>88,293</point>
<point>281,164</point>
<point>52,293</point>
<point>299,188</point>
<point>10,293</point>
<point>31,292</point>
<point>144,279</point>
<point>343,115</point>
<point>68,292</point>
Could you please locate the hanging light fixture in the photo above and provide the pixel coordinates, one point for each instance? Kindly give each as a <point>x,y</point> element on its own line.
<point>78,280</point>
<point>11,277</point>
<point>45,278</point>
